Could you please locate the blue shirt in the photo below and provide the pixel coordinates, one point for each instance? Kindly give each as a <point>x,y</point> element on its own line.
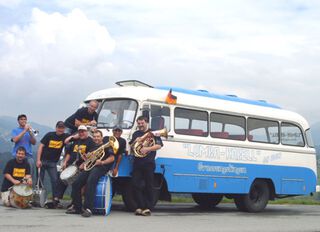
<point>25,142</point>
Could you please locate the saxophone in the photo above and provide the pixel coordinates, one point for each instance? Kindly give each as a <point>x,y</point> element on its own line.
<point>147,140</point>
<point>99,153</point>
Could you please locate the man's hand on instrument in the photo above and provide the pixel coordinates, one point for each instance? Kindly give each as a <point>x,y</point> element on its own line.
<point>144,150</point>
<point>16,182</point>
<point>27,127</point>
<point>81,167</point>
<point>99,162</point>
<point>64,166</point>
<point>93,123</point>
<point>29,181</point>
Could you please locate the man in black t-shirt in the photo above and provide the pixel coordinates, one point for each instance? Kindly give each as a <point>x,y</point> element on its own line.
<point>48,155</point>
<point>117,131</point>
<point>83,116</point>
<point>15,171</point>
<point>90,178</point>
<point>80,144</point>
<point>143,169</point>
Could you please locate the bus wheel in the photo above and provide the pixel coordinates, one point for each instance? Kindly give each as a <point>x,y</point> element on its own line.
<point>207,200</point>
<point>257,198</point>
<point>128,197</point>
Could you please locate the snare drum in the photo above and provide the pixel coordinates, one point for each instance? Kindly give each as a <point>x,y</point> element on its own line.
<point>20,196</point>
<point>70,174</point>
<point>103,198</point>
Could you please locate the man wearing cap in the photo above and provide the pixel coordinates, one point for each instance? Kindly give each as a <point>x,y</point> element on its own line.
<point>80,143</point>
<point>23,137</point>
<point>117,132</point>
<point>83,116</point>
<point>48,155</point>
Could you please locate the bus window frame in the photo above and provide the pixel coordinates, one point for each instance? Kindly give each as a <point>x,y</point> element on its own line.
<point>267,134</point>
<point>301,131</point>
<point>205,135</point>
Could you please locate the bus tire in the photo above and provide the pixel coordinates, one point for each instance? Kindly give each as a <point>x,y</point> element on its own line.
<point>207,200</point>
<point>257,198</point>
<point>128,196</point>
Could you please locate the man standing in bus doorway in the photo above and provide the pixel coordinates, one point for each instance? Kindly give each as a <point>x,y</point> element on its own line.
<point>143,169</point>
<point>23,136</point>
<point>85,116</point>
<point>117,132</point>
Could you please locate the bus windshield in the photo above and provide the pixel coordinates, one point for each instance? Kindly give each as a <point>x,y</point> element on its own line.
<point>119,112</point>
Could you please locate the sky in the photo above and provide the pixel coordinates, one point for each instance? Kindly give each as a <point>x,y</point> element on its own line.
<point>55,53</point>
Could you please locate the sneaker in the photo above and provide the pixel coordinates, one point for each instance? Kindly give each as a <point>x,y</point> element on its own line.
<point>72,211</point>
<point>86,213</point>
<point>146,212</point>
<point>138,211</point>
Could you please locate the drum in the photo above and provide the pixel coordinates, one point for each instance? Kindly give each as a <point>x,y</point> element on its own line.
<point>103,198</point>
<point>70,174</point>
<point>20,196</point>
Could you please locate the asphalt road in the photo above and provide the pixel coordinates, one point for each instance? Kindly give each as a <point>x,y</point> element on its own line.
<point>165,218</point>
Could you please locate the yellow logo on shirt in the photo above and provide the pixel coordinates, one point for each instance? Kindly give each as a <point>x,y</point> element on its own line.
<point>55,144</point>
<point>84,120</point>
<point>19,172</point>
<point>82,149</point>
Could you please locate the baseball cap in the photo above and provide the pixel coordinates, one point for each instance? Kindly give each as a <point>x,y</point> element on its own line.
<point>82,127</point>
<point>117,127</point>
<point>60,124</point>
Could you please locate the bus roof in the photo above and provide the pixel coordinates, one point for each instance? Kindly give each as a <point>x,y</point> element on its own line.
<point>234,98</point>
<point>202,100</point>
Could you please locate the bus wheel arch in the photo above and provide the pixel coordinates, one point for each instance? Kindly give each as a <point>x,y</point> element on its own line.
<point>257,198</point>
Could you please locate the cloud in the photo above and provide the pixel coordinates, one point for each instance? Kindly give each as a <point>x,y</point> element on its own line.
<point>254,49</point>
<point>51,60</point>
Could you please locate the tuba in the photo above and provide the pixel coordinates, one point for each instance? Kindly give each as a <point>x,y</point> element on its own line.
<point>147,140</point>
<point>99,153</point>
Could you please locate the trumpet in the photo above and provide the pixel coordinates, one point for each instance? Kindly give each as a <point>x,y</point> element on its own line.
<point>33,132</point>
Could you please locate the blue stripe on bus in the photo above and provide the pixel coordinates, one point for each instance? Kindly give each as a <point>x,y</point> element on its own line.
<point>189,176</point>
<point>217,96</point>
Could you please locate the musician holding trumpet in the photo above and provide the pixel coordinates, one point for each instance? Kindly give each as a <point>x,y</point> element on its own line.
<point>143,167</point>
<point>24,136</point>
<point>96,164</point>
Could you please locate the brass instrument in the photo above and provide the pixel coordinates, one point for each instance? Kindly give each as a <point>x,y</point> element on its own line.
<point>147,140</point>
<point>33,132</point>
<point>99,153</point>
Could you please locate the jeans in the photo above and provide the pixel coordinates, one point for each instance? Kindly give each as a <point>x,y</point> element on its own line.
<point>90,179</point>
<point>143,193</point>
<point>61,187</point>
<point>32,168</point>
<point>51,168</point>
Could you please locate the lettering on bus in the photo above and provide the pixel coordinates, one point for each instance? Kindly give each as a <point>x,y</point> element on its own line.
<point>272,157</point>
<point>222,169</point>
<point>221,153</point>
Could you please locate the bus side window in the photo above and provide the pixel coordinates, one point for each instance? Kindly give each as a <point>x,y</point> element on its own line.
<point>263,131</point>
<point>291,135</point>
<point>159,117</point>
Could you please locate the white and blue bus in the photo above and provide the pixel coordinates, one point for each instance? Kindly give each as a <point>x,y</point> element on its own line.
<point>218,145</point>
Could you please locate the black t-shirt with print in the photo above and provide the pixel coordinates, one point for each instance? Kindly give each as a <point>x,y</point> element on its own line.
<point>17,170</point>
<point>80,146</point>
<point>150,157</point>
<point>53,145</point>
<point>82,115</point>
